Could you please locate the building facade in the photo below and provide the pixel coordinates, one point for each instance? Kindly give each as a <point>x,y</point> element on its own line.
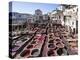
<point>17,20</point>
<point>38,14</point>
<point>66,15</point>
<point>45,17</point>
<point>71,17</point>
<point>56,17</point>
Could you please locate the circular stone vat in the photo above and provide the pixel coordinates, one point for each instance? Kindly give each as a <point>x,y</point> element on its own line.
<point>51,41</point>
<point>25,53</point>
<point>29,46</point>
<point>51,46</point>
<point>51,52</point>
<point>33,42</point>
<point>35,52</point>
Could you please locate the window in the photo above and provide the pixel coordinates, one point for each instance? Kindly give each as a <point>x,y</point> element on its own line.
<point>14,14</point>
<point>72,23</point>
<point>37,13</point>
<point>53,17</point>
<point>59,17</point>
<point>19,15</point>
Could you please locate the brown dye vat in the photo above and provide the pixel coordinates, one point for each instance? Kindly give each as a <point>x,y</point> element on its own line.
<point>25,53</point>
<point>58,40</point>
<point>33,42</point>
<point>29,46</point>
<point>51,41</point>
<point>35,52</point>
<point>51,46</point>
<point>50,37</point>
<point>60,51</point>
<point>60,45</point>
<point>51,52</point>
